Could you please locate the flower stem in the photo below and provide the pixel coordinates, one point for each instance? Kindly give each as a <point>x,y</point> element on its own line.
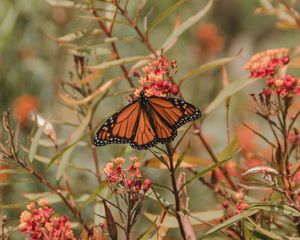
<point>175,191</point>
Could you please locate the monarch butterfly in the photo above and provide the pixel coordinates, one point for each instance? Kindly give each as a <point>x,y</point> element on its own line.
<point>146,121</point>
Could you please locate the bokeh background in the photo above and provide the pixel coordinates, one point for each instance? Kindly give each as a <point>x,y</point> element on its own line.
<point>33,65</point>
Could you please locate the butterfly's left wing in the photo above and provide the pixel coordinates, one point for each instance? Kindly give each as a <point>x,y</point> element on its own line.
<point>119,128</point>
<point>169,114</point>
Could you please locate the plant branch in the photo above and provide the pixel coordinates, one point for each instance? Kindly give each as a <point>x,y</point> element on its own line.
<point>175,191</point>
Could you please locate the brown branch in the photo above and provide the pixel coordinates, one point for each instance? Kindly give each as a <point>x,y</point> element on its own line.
<point>175,191</point>
<point>114,47</point>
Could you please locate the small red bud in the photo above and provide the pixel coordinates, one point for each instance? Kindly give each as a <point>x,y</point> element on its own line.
<point>285,60</point>
<point>225,204</point>
<point>175,90</point>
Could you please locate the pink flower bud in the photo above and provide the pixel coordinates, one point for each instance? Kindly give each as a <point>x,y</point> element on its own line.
<point>285,60</point>
<point>225,204</point>
<point>138,185</point>
<point>175,90</point>
<point>165,84</point>
<point>147,184</point>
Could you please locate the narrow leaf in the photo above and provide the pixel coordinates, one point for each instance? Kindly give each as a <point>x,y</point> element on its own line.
<point>196,218</point>
<point>255,228</point>
<point>278,208</point>
<point>165,14</point>
<point>79,34</point>
<point>77,134</point>
<point>231,89</point>
<point>92,196</point>
<point>229,222</point>
<point>205,67</point>
<point>181,157</point>
<point>186,25</point>
<point>111,224</point>
<point>117,62</point>
<point>35,143</point>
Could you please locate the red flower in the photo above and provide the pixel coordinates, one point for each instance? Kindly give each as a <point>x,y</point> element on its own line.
<point>266,63</point>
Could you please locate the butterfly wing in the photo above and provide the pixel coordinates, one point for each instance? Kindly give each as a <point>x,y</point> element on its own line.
<point>169,114</point>
<point>144,127</point>
<point>119,127</point>
<point>129,125</point>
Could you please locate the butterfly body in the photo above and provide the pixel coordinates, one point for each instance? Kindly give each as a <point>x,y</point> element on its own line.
<point>146,121</point>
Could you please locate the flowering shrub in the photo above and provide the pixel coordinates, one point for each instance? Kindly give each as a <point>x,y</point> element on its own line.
<point>185,189</point>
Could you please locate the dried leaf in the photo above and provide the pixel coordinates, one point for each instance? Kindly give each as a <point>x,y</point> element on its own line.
<point>111,224</point>
<point>188,228</point>
<point>100,90</point>
<point>46,126</point>
<point>261,169</point>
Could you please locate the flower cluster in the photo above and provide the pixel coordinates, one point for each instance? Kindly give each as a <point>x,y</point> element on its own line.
<point>284,86</point>
<point>39,222</point>
<point>155,79</point>
<point>266,63</point>
<point>126,179</point>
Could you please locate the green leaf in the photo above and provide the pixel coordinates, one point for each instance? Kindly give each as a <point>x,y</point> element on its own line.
<point>46,142</point>
<point>146,235</point>
<point>204,68</point>
<point>266,234</point>
<point>196,218</point>
<point>186,25</point>
<point>102,186</point>
<point>117,62</point>
<point>223,157</point>
<point>229,222</point>
<point>12,206</point>
<point>13,171</point>
<point>181,157</point>
<point>231,89</point>
<point>35,143</point>
<point>79,34</point>
<point>74,138</point>
<point>230,150</point>
<point>165,14</point>
<point>278,208</point>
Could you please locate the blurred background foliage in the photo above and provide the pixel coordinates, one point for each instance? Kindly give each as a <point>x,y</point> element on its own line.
<point>33,65</point>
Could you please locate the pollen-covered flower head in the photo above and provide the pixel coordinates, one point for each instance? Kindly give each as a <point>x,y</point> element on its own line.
<point>266,63</point>
<point>155,79</point>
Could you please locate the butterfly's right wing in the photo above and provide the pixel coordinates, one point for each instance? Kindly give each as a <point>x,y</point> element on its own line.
<point>169,114</point>
<point>119,128</point>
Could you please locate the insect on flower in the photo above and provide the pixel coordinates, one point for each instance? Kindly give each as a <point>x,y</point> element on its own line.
<point>152,117</point>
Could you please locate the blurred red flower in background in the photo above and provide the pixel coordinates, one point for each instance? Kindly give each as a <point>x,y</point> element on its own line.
<point>210,40</point>
<point>23,105</point>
